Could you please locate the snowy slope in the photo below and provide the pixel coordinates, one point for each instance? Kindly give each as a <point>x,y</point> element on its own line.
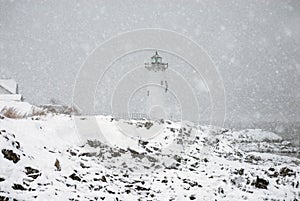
<point>22,108</point>
<point>181,162</point>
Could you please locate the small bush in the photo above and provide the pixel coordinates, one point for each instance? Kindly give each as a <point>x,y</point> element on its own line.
<point>38,112</point>
<point>11,112</point>
<point>59,109</point>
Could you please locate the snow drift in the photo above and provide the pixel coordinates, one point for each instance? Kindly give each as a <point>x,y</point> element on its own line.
<point>46,158</point>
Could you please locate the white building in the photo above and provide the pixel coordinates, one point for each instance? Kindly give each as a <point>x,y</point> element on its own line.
<point>157,88</point>
<point>9,90</point>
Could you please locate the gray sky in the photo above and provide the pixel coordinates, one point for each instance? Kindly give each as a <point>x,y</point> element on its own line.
<point>254,44</point>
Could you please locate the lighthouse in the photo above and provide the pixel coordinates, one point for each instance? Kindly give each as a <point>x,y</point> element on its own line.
<point>157,87</point>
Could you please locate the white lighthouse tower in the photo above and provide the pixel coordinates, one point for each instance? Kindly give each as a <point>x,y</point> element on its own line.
<point>157,88</point>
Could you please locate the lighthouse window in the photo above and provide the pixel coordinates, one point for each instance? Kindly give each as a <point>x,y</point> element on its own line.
<point>159,60</point>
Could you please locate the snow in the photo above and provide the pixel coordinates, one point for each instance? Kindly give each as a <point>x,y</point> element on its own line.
<point>254,46</point>
<point>210,166</point>
<point>256,135</point>
<point>22,108</point>
<point>10,97</point>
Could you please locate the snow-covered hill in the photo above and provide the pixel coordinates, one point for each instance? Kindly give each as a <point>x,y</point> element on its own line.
<point>45,158</point>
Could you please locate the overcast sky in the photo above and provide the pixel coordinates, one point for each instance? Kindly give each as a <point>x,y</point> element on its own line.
<point>254,45</point>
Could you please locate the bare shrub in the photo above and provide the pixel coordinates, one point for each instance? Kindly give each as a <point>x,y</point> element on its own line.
<point>59,109</point>
<point>11,112</point>
<point>38,112</point>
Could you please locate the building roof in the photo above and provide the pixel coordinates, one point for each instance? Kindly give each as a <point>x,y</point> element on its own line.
<point>9,84</point>
<point>156,55</point>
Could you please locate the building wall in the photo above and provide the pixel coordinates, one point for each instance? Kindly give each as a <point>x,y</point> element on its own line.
<point>156,93</point>
<point>4,91</point>
<point>10,97</point>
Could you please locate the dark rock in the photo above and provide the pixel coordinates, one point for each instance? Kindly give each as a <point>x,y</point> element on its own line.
<point>205,160</point>
<point>72,153</point>
<point>16,144</point>
<point>148,150</point>
<point>191,183</point>
<point>148,125</point>
<point>57,165</point>
<point>140,188</point>
<point>220,190</point>
<point>272,169</point>
<point>31,189</point>
<point>260,183</point>
<point>239,154</point>
<point>195,165</point>
<point>110,192</point>
<point>18,187</point>
<point>133,151</point>
<point>248,181</point>
<point>142,142</point>
<point>2,198</point>
<point>252,158</point>
<point>97,179</point>
<point>31,172</point>
<point>151,159</point>
<point>116,154</point>
<point>192,197</point>
<point>272,174</point>
<point>240,171</point>
<point>84,166</point>
<point>98,188</point>
<point>224,131</point>
<point>69,185</point>
<point>155,148</point>
<point>10,155</point>
<point>286,172</point>
<point>88,154</point>
<point>136,154</point>
<point>103,179</point>
<point>1,179</point>
<point>96,143</point>
<point>75,177</point>
<point>177,158</point>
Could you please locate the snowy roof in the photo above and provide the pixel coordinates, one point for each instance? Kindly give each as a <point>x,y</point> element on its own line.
<point>9,84</point>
